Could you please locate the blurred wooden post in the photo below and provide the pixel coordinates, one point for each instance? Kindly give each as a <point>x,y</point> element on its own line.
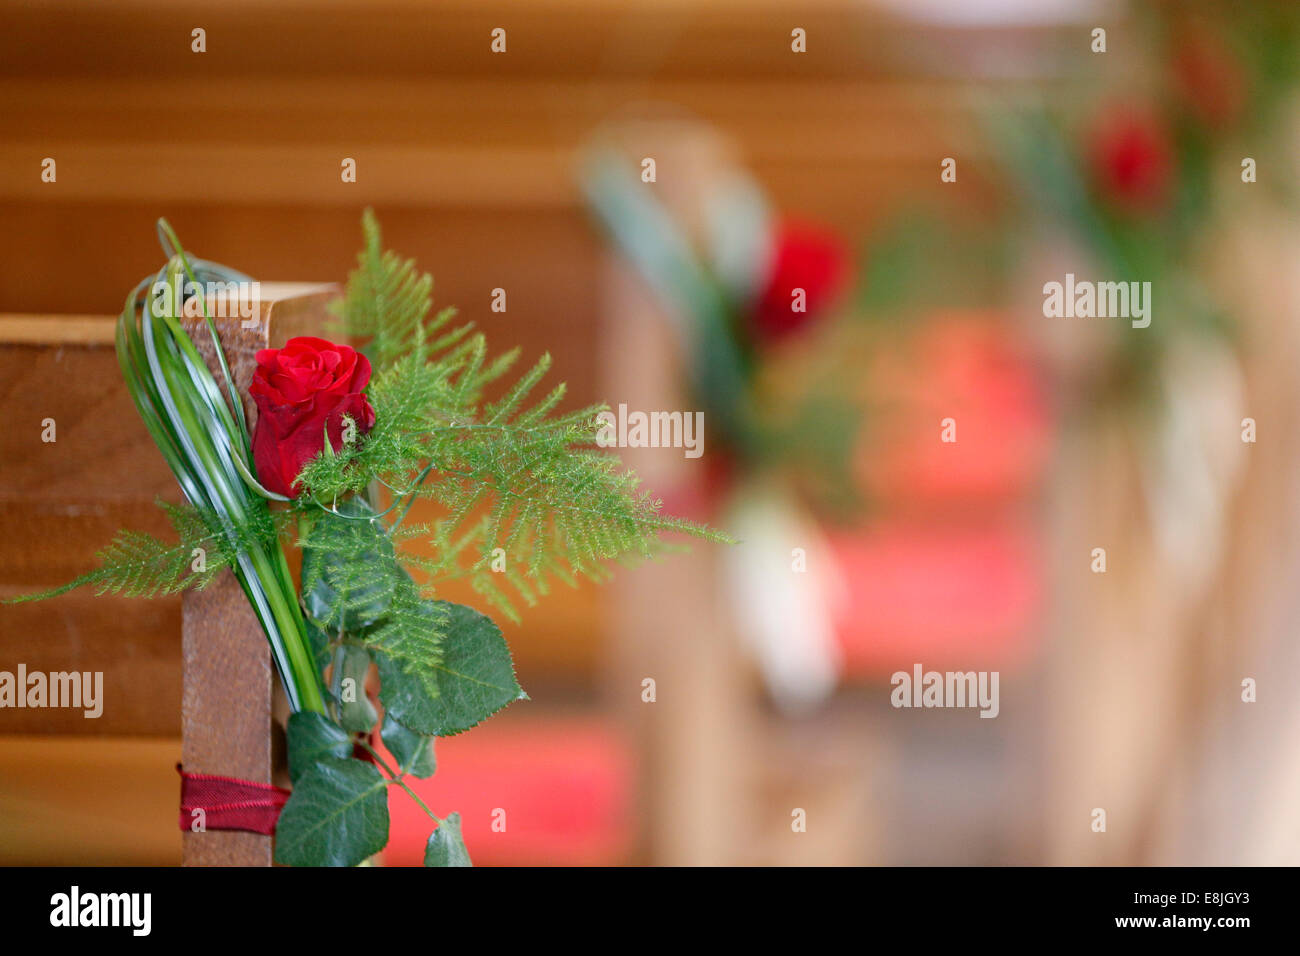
<point>672,620</point>
<point>227,673</point>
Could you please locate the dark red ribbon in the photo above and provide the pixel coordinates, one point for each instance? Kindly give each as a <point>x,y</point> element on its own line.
<point>229,803</point>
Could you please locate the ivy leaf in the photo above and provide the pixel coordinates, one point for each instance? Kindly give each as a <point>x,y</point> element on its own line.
<point>414,752</point>
<point>356,713</point>
<point>446,847</point>
<point>473,679</point>
<point>336,816</point>
<point>311,737</point>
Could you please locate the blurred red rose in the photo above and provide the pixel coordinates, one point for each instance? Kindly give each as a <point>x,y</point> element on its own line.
<point>301,390</point>
<point>1131,159</point>
<point>806,257</point>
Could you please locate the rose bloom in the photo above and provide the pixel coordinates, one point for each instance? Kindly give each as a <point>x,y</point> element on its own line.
<point>1131,159</point>
<point>804,257</point>
<point>302,390</point>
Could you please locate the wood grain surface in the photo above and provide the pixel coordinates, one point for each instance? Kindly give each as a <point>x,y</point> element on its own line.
<point>226,705</point>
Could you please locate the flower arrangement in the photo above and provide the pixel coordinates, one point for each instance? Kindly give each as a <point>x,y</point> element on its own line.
<point>754,296</point>
<point>345,441</point>
<point>1140,166</point>
<point>754,293</point>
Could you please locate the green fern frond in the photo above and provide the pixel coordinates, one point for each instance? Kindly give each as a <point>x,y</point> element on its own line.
<point>350,572</point>
<point>136,564</point>
<point>526,496</point>
<point>411,635</point>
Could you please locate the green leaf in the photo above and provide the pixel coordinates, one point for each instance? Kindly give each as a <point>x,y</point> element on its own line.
<point>356,713</point>
<point>319,642</point>
<point>446,846</point>
<point>414,752</point>
<point>474,679</point>
<point>254,485</point>
<point>313,736</point>
<point>337,816</point>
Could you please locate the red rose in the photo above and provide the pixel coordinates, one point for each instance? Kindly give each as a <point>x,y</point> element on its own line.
<point>805,257</point>
<point>1132,159</point>
<point>300,390</point>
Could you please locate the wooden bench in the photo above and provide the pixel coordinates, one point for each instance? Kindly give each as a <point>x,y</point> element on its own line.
<point>64,499</point>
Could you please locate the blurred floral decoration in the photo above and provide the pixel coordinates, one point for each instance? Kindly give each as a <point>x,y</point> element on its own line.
<point>1131,170</point>
<point>1142,181</point>
<point>1125,174</point>
<point>756,298</point>
<point>1140,168</point>
<point>752,298</point>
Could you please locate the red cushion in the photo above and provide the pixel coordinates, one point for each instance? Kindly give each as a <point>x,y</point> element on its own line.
<point>564,784</point>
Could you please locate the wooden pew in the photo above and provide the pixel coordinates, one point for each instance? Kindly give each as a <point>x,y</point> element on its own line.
<point>719,771</point>
<point>99,473</point>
